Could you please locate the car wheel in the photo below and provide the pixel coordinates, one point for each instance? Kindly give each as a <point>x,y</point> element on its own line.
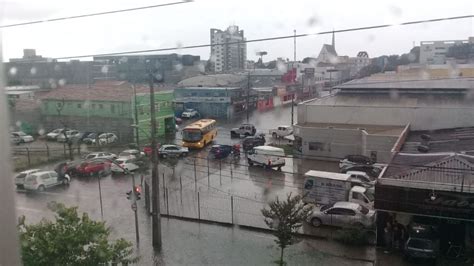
<point>41,188</point>
<point>184,154</point>
<point>316,222</point>
<point>250,162</point>
<point>66,181</point>
<point>274,135</point>
<point>164,156</point>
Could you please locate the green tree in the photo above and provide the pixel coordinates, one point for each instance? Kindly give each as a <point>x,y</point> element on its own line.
<point>285,217</point>
<point>71,240</point>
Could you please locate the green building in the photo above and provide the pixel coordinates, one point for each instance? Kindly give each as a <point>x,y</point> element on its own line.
<point>107,107</point>
<point>164,114</point>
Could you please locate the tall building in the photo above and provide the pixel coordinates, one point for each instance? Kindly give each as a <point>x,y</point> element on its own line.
<point>434,52</point>
<point>228,50</point>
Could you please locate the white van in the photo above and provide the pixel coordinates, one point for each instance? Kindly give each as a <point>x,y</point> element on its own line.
<point>267,156</point>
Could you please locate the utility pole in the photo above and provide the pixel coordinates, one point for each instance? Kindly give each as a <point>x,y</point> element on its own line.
<point>155,182</point>
<point>134,208</point>
<point>137,138</point>
<point>248,96</point>
<point>294,46</point>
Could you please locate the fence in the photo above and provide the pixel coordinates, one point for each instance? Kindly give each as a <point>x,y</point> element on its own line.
<point>24,157</point>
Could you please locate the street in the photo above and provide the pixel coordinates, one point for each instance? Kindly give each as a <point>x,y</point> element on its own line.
<point>187,242</point>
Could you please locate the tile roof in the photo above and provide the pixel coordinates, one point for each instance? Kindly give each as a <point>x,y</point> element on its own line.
<point>101,91</point>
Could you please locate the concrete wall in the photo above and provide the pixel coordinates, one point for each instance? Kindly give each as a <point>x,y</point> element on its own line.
<point>420,118</point>
<point>336,143</point>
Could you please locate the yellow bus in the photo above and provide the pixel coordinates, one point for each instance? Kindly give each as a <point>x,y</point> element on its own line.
<point>200,133</point>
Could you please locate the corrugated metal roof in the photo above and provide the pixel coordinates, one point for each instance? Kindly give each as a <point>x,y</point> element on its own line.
<point>425,84</point>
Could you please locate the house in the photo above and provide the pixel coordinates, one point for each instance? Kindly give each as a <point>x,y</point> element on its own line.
<point>106,106</point>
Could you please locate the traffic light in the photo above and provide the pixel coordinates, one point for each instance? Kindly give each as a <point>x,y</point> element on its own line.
<point>129,195</point>
<point>137,190</point>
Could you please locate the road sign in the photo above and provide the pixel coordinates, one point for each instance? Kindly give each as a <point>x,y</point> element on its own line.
<point>134,206</point>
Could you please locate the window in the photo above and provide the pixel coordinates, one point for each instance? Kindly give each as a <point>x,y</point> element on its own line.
<point>101,106</point>
<point>112,108</point>
<point>93,106</point>
<point>316,146</point>
<point>79,105</point>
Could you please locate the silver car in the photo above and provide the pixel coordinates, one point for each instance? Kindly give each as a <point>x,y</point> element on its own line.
<point>342,214</point>
<point>172,150</point>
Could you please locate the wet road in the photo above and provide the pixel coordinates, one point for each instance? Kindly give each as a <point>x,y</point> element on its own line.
<point>193,243</point>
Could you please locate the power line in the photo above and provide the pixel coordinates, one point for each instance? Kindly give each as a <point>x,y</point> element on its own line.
<point>93,14</point>
<point>267,38</point>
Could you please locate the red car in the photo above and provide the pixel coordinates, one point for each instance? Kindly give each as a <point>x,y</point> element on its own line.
<point>147,149</point>
<point>89,168</point>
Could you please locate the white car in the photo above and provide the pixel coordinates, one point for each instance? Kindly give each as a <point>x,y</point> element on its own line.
<point>97,155</point>
<point>70,134</point>
<point>39,181</point>
<point>54,134</point>
<point>342,214</point>
<point>131,154</point>
<point>122,163</point>
<point>189,113</point>
<point>267,156</point>
<point>359,178</point>
<point>20,178</point>
<point>107,138</point>
<point>23,137</point>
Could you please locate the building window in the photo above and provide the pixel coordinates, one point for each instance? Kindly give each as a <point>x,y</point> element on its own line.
<point>316,146</point>
<point>79,105</point>
<point>101,106</point>
<point>112,108</point>
<point>93,106</point>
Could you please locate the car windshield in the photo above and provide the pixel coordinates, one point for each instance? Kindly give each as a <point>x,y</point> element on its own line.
<point>326,207</point>
<point>189,110</point>
<point>192,135</point>
<point>420,243</point>
<point>363,209</point>
<point>22,175</point>
<point>90,156</point>
<point>370,196</point>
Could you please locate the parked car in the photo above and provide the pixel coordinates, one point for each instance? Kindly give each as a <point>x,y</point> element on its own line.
<point>220,151</point>
<point>20,178</point>
<point>352,160</point>
<point>371,170</point>
<point>39,181</point>
<point>94,167</point>
<point>68,135</point>
<point>243,130</point>
<point>107,138</point>
<point>127,163</point>
<point>178,120</point>
<point>147,149</point>
<point>131,153</point>
<point>421,248</point>
<point>24,138</point>
<point>267,156</point>
<point>281,131</point>
<point>91,138</point>
<point>189,113</point>
<point>79,137</point>
<point>342,214</point>
<point>55,133</point>
<point>253,141</point>
<point>359,178</point>
<point>15,139</point>
<point>101,154</point>
<point>172,150</point>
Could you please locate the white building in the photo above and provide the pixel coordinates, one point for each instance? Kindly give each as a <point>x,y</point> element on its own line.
<point>228,49</point>
<point>434,52</point>
<point>368,116</point>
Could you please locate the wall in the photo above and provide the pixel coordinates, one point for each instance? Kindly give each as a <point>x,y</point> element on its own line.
<point>336,143</point>
<point>87,108</point>
<point>164,114</point>
<point>420,118</point>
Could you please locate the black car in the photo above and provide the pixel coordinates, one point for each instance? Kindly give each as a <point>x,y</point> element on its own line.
<point>91,137</point>
<point>253,141</point>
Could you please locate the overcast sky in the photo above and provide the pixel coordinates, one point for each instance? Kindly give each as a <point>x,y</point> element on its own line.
<point>189,24</point>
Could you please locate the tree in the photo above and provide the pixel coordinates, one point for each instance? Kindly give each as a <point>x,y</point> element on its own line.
<point>285,217</point>
<point>71,240</point>
<point>461,51</point>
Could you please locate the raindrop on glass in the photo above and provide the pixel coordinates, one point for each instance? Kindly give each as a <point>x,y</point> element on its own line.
<point>104,69</point>
<point>13,71</point>
<point>33,71</point>
<point>41,131</point>
<point>18,123</point>
<point>62,82</point>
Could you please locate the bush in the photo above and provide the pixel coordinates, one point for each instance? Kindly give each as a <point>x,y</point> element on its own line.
<point>352,236</point>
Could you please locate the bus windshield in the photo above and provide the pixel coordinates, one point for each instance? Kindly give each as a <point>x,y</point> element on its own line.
<point>192,135</point>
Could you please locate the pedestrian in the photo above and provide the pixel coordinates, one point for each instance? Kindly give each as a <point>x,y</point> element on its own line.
<point>388,236</point>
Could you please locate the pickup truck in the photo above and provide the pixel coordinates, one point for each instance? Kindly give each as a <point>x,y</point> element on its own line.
<point>324,188</point>
<point>281,131</point>
<point>243,130</point>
